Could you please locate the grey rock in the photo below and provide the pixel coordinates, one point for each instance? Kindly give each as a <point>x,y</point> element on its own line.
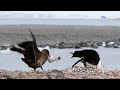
<point>55,74</point>
<point>3,47</point>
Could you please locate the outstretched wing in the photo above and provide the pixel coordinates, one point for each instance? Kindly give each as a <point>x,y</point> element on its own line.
<point>30,52</point>
<point>20,47</point>
<point>34,42</point>
<point>32,49</point>
<point>28,48</point>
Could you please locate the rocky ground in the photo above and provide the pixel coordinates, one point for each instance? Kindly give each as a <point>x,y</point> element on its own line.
<point>69,73</point>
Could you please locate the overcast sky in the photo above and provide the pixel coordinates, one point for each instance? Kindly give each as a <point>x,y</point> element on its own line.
<point>89,14</point>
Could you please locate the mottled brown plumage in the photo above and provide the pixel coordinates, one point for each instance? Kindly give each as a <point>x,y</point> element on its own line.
<point>32,56</point>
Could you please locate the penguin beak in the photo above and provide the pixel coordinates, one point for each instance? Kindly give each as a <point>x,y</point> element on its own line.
<point>71,53</point>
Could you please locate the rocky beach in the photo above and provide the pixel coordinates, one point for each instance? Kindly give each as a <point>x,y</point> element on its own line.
<point>69,73</point>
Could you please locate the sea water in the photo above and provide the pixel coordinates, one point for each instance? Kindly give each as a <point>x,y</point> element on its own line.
<point>94,22</point>
<point>9,60</point>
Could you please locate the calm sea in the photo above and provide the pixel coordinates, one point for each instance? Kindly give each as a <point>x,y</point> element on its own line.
<point>110,58</point>
<point>95,22</point>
